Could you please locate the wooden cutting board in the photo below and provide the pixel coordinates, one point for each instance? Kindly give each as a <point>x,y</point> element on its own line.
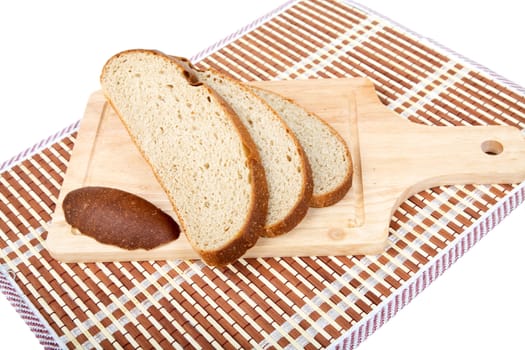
<point>393,159</point>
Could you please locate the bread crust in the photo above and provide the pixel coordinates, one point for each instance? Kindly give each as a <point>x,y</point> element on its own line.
<point>254,226</point>
<point>300,209</point>
<point>254,223</point>
<point>334,196</point>
<point>302,204</point>
<point>338,193</point>
<point>119,218</point>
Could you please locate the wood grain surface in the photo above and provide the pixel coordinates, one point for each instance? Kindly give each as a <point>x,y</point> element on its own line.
<point>393,159</point>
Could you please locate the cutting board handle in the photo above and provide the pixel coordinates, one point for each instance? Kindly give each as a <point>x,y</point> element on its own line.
<point>402,157</point>
<point>476,155</point>
<point>427,156</point>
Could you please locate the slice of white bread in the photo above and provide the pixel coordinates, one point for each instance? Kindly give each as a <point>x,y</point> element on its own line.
<point>288,172</point>
<point>326,150</point>
<point>199,150</point>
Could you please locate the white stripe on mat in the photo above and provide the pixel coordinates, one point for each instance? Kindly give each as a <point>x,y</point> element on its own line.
<point>432,270</point>
<point>331,46</point>
<point>348,301</point>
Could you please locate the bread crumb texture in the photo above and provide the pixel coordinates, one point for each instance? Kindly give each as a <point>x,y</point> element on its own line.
<point>327,152</point>
<point>281,154</point>
<point>189,139</point>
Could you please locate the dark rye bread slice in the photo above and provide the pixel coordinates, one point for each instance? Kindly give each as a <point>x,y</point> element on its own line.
<point>199,150</point>
<point>327,152</point>
<point>286,166</point>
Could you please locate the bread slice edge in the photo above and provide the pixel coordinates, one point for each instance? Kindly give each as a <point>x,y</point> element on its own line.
<point>338,192</point>
<point>297,213</point>
<point>256,215</point>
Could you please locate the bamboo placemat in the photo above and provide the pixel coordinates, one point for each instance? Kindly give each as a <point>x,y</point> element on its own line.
<point>310,302</point>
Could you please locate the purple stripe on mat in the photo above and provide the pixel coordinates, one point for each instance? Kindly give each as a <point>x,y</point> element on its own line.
<point>38,146</point>
<point>435,268</point>
<point>27,312</point>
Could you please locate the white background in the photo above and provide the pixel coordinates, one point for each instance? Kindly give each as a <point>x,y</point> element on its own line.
<point>52,53</point>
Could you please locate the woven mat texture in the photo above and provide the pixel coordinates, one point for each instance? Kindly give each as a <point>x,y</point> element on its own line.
<point>276,302</point>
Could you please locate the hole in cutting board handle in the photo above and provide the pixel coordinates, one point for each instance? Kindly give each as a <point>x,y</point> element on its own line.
<point>491,147</point>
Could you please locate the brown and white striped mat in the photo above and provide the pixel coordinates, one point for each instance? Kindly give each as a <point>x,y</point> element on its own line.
<point>311,302</point>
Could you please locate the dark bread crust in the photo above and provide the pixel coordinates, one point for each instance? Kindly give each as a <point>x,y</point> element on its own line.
<point>300,209</point>
<point>116,217</point>
<point>302,205</point>
<point>329,198</point>
<point>254,226</point>
<point>256,217</point>
<point>334,196</point>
